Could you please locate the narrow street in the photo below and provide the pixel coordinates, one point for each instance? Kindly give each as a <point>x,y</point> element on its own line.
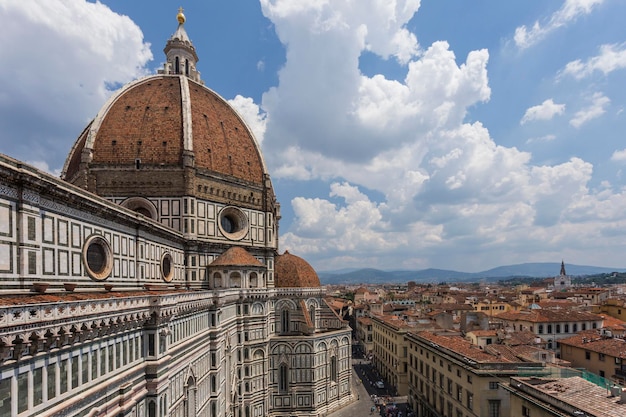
<point>371,400</point>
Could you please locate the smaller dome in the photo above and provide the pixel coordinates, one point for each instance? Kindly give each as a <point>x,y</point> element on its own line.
<point>238,257</point>
<point>294,272</point>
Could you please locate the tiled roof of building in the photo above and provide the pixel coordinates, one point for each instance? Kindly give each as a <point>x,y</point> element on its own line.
<point>552,304</point>
<point>294,272</point>
<point>576,393</point>
<point>454,307</point>
<point>236,256</point>
<point>521,337</point>
<point>611,322</point>
<point>595,342</point>
<point>483,333</point>
<point>60,298</point>
<point>463,347</point>
<point>548,316</point>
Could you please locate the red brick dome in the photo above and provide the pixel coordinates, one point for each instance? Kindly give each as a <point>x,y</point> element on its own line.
<point>292,271</point>
<point>167,121</point>
<point>167,136</point>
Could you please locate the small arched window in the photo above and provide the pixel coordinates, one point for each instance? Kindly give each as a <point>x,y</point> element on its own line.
<point>312,315</point>
<point>176,66</point>
<point>283,382</point>
<point>333,369</point>
<point>217,280</point>
<point>187,67</point>
<point>284,320</point>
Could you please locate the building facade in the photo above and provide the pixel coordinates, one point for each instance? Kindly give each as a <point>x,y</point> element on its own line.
<point>597,352</point>
<point>389,353</point>
<point>551,325</point>
<point>147,281</point>
<point>448,376</point>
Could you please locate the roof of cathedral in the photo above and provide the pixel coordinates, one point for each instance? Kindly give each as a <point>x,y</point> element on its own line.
<point>292,271</point>
<point>169,120</point>
<point>236,256</point>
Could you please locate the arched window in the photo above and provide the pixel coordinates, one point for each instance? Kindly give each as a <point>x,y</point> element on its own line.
<point>176,66</point>
<point>187,67</point>
<point>333,368</point>
<point>235,280</point>
<point>540,331</point>
<point>190,397</point>
<point>284,319</point>
<point>312,314</point>
<point>283,382</point>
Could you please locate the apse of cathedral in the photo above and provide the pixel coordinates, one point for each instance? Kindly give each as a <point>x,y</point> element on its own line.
<point>147,281</point>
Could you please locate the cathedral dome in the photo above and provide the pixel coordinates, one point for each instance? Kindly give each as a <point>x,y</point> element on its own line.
<point>168,134</point>
<point>292,271</point>
<point>236,257</point>
<point>158,121</point>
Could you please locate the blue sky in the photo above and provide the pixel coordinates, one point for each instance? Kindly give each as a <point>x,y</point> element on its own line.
<point>399,134</point>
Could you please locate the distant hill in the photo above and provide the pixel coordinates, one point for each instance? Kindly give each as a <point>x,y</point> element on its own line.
<point>528,270</point>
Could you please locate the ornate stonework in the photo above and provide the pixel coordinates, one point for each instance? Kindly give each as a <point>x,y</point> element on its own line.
<point>147,282</point>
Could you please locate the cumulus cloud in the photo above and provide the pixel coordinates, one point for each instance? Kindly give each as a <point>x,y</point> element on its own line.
<point>597,108</point>
<point>568,13</point>
<point>544,111</point>
<point>619,156</point>
<point>612,57</point>
<point>443,185</point>
<point>61,60</point>
<point>252,114</point>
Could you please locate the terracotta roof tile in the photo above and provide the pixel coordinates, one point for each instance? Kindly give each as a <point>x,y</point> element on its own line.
<point>236,256</point>
<point>463,347</point>
<point>294,272</point>
<point>594,342</point>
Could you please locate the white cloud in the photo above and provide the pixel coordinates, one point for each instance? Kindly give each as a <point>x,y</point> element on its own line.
<point>612,57</point>
<point>411,183</point>
<point>252,114</point>
<point>61,60</point>
<point>599,102</point>
<point>619,156</point>
<point>569,12</point>
<point>545,111</point>
<point>546,138</point>
<point>443,185</point>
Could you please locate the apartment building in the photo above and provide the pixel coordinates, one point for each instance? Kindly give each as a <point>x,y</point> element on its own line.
<point>552,325</point>
<point>448,376</point>
<point>390,350</point>
<point>597,352</point>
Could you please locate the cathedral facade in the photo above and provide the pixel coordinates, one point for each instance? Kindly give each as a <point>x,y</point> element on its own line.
<point>147,282</point>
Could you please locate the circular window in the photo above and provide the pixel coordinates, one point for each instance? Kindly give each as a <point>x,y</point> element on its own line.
<point>233,223</point>
<point>97,257</point>
<point>167,272</point>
